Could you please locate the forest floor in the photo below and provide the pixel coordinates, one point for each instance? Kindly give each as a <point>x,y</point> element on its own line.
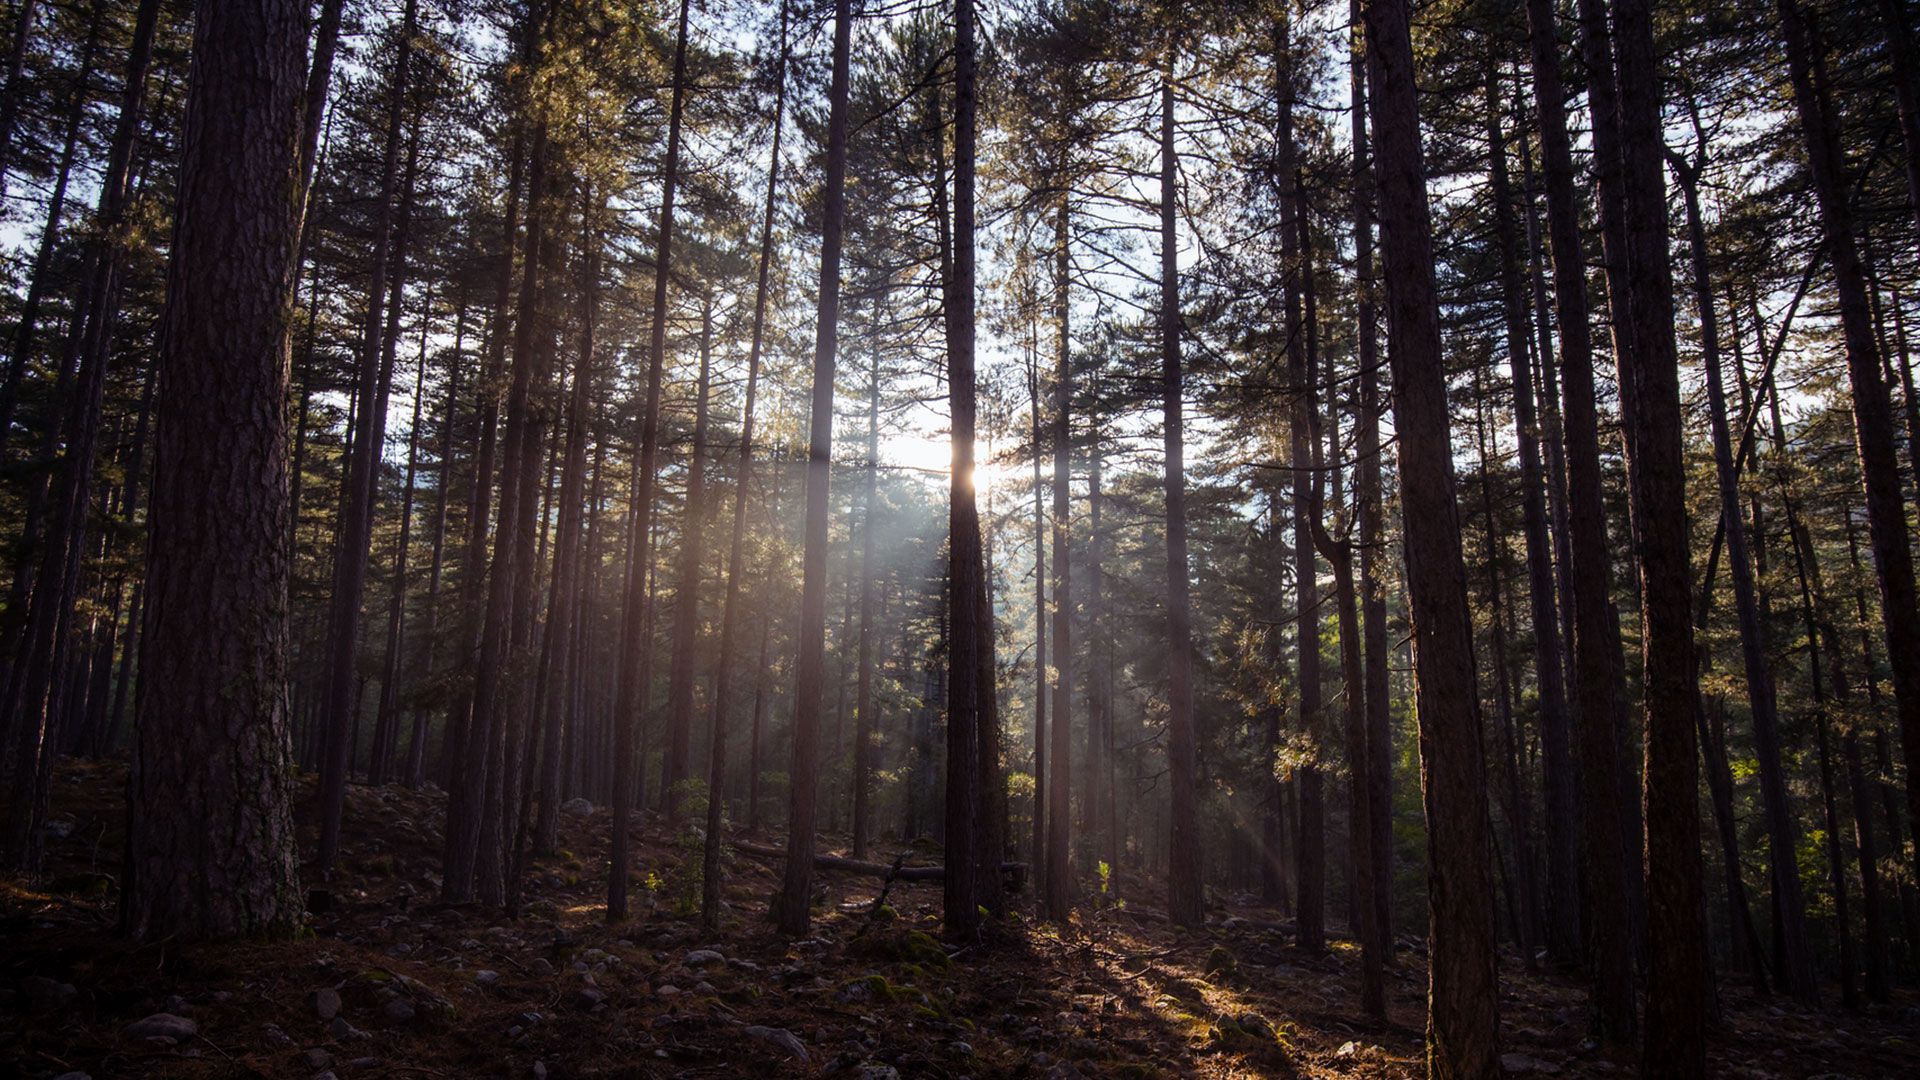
<point>393,984</point>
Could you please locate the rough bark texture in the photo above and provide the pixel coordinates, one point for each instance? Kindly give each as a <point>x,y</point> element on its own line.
<point>1463,1017</point>
<point>1059,872</point>
<point>211,848</point>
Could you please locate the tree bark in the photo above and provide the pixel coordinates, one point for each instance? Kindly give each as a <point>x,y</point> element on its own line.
<point>1059,871</point>
<point>211,842</point>
<point>686,604</point>
<point>724,677</point>
<point>635,649</point>
<point>1606,938</point>
<point>1463,1017</point>
<point>792,906</point>
<point>351,551</point>
<point>1185,901</point>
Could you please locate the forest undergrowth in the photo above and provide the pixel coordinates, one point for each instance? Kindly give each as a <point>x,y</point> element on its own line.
<point>390,983</point>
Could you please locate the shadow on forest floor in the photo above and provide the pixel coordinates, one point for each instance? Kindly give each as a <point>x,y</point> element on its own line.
<point>392,984</point>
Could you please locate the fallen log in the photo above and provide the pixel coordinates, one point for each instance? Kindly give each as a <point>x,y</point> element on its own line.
<point>1016,871</point>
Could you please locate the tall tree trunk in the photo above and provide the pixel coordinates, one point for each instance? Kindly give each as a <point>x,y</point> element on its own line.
<point>1558,775</point>
<point>10,98</point>
<point>1060,884</point>
<point>635,649</point>
<point>1606,936</point>
<point>1339,555</point>
<point>1040,745</point>
<point>563,607</point>
<point>792,906</point>
<point>1463,1019</point>
<point>212,746</point>
<point>863,732</point>
<point>724,678</point>
<point>351,554</point>
<point>1310,841</point>
<point>1185,901</point>
<point>1367,494</point>
<point>1642,297</point>
<point>416,771</point>
<point>1522,885</point>
<point>1872,405</point>
<point>386,738</point>
<point>686,605</point>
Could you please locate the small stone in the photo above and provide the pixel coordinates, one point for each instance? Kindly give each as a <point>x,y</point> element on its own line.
<point>578,807</point>
<point>326,1003</point>
<point>162,1025</point>
<point>318,1058</point>
<point>668,990</point>
<point>588,998</point>
<point>328,1075</point>
<point>176,1005</point>
<point>485,977</point>
<point>703,957</point>
<point>874,1071</point>
<point>704,987</point>
<point>75,1075</point>
<point>1347,1049</point>
<point>540,1067</point>
<point>344,1031</point>
<point>779,1038</point>
<point>593,956</point>
<point>1522,1063</point>
<point>963,1049</point>
<point>276,1034</point>
<point>541,966</point>
<point>398,1011</point>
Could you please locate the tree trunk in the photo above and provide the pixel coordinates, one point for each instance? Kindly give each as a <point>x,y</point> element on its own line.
<point>792,906</point>
<point>1558,774</point>
<point>635,649</point>
<point>1310,839</point>
<point>1608,953</point>
<point>686,604</point>
<point>1642,296</point>
<point>1367,494</point>
<point>1185,900</point>
<point>386,739</point>
<point>211,842</point>
<point>863,732</point>
<point>351,552</point>
<point>1059,871</point>
<point>724,676</point>
<point>1463,1021</point>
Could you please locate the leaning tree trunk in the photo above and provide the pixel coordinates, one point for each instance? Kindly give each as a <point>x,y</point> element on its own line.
<point>1463,1021</point>
<point>211,842</point>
